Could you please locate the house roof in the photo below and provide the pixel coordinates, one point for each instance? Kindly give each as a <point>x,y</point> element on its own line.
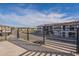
<point>64,23</point>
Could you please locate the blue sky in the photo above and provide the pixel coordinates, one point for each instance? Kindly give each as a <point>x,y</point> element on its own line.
<point>30,15</point>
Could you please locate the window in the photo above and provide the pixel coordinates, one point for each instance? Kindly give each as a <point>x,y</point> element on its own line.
<point>64,27</point>
<point>71,35</point>
<point>51,30</point>
<point>71,27</point>
<point>63,33</point>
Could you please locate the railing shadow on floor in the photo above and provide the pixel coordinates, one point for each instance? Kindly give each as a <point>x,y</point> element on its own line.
<point>25,45</point>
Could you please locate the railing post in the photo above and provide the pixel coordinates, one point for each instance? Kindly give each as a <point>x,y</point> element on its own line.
<point>18,33</point>
<point>43,34</point>
<point>77,40</point>
<point>5,34</point>
<point>11,30</point>
<point>1,30</point>
<point>28,34</point>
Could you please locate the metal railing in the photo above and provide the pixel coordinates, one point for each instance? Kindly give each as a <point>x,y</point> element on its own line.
<point>44,34</point>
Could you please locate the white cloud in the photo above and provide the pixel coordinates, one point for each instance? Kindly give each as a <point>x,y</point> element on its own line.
<point>33,18</point>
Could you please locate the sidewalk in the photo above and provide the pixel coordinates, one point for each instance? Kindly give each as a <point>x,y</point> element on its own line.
<point>9,49</point>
